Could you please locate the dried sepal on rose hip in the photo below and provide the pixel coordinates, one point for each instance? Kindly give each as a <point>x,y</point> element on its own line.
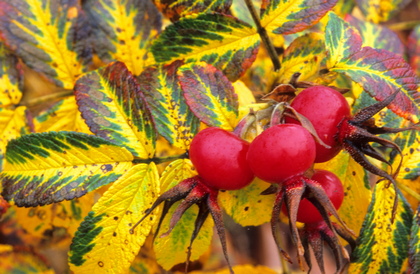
<point>281,155</point>
<point>219,157</point>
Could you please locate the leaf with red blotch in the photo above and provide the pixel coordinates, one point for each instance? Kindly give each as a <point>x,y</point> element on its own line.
<point>210,95</point>
<point>122,30</point>
<point>49,36</point>
<point>114,108</point>
<point>413,46</point>
<point>175,9</point>
<point>377,36</point>
<point>172,116</point>
<point>379,72</point>
<point>291,16</point>
<point>377,11</point>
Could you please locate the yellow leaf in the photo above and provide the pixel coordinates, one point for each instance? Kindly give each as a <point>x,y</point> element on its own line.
<point>103,242</point>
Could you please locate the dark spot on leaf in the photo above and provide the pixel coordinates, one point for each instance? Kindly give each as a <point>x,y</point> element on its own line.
<point>246,208</point>
<point>353,173</point>
<point>101,264</point>
<point>407,169</point>
<point>114,234</point>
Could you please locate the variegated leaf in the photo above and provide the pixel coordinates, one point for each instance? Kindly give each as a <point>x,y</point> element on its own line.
<point>62,116</point>
<point>291,16</point>
<point>357,192</point>
<point>383,244</point>
<point>49,36</point>
<point>210,95</point>
<point>122,30</point>
<point>247,206</point>
<point>377,36</point>
<point>44,168</point>
<point>173,119</point>
<point>304,55</point>
<point>379,72</point>
<point>414,245</point>
<point>378,11</point>
<point>341,40</point>
<point>221,40</point>
<point>114,108</point>
<point>413,49</point>
<point>13,123</point>
<point>344,7</point>
<point>175,9</point>
<point>104,242</point>
<point>10,78</point>
<point>175,172</point>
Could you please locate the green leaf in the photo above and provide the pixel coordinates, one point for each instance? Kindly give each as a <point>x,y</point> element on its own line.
<point>114,108</point>
<point>13,123</point>
<point>123,29</point>
<point>61,116</point>
<point>383,245</point>
<point>210,95</point>
<point>247,206</point>
<point>304,55</point>
<point>173,119</point>
<point>44,168</point>
<point>379,72</point>
<point>10,78</point>
<point>357,192</point>
<point>103,242</point>
<point>378,11</point>
<point>221,40</point>
<point>48,36</point>
<point>413,49</point>
<point>377,36</point>
<point>291,16</point>
<point>414,245</point>
<point>175,9</point>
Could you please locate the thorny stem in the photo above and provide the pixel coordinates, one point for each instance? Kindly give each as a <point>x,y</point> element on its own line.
<point>159,160</point>
<point>264,36</point>
<point>47,98</point>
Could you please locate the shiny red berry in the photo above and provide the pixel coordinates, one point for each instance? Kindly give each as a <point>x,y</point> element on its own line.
<point>220,159</point>
<point>280,152</point>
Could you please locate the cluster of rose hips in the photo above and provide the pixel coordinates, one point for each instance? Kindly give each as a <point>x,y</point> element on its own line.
<point>284,154</point>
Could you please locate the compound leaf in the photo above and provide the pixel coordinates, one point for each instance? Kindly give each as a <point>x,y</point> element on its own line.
<point>357,192</point>
<point>175,9</point>
<point>13,123</point>
<point>122,30</point>
<point>377,36</point>
<point>303,55</point>
<point>378,11</point>
<point>414,245</point>
<point>221,40</point>
<point>291,16</point>
<point>247,206</point>
<point>114,108</point>
<point>103,242</point>
<point>10,78</point>
<point>47,36</point>
<point>383,244</point>
<point>379,72</point>
<point>44,168</point>
<point>413,49</point>
<point>172,117</point>
<point>62,116</point>
<point>210,95</point>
